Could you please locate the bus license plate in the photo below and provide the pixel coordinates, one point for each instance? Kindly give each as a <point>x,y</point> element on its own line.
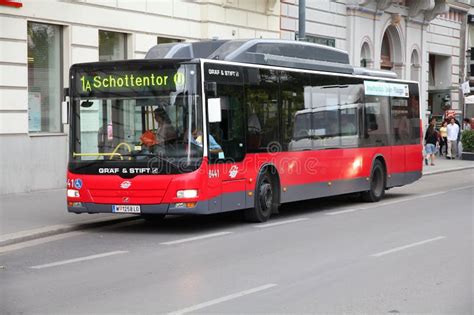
<point>125,209</point>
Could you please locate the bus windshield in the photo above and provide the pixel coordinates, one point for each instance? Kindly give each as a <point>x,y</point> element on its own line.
<point>131,128</point>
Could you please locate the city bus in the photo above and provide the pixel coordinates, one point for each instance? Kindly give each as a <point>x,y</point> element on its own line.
<point>215,126</point>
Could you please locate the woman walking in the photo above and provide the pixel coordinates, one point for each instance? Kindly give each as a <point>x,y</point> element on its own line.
<point>431,140</point>
<point>443,141</point>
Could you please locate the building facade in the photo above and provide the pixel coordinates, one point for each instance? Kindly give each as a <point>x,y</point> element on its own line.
<point>421,40</point>
<point>469,96</point>
<point>40,40</point>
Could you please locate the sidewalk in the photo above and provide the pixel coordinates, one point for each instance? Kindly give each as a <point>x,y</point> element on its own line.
<point>43,213</point>
<point>39,214</point>
<point>442,165</point>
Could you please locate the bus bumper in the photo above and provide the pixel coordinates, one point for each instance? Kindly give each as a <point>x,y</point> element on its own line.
<point>200,207</point>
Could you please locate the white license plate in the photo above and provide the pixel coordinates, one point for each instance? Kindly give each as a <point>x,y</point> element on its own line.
<point>125,209</point>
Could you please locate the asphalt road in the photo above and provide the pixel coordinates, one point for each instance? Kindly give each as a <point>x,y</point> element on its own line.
<point>410,253</point>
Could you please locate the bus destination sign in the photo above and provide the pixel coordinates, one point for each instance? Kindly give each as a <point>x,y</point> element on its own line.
<point>386,89</point>
<point>94,83</point>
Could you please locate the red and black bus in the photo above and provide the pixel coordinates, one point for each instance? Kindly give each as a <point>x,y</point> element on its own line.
<point>208,127</point>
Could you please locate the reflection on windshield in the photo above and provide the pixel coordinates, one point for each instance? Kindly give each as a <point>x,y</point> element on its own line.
<point>141,129</point>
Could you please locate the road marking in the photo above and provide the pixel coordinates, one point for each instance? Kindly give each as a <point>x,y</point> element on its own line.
<point>57,237</point>
<point>12,247</point>
<point>70,261</point>
<point>53,230</point>
<point>387,203</point>
<point>279,223</point>
<point>223,299</point>
<point>407,246</point>
<point>344,211</point>
<point>184,240</point>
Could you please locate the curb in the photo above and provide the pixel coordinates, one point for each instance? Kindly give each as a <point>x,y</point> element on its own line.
<point>461,168</point>
<point>23,236</point>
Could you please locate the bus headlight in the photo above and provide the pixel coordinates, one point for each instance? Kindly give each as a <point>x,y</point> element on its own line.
<point>73,193</point>
<point>187,193</point>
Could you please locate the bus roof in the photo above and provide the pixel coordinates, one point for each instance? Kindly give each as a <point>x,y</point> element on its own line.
<point>262,52</point>
<point>270,52</point>
<point>284,53</point>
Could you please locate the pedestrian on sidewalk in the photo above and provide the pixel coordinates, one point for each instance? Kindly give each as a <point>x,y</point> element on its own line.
<point>431,122</point>
<point>466,124</point>
<point>453,133</point>
<point>431,142</point>
<point>443,138</point>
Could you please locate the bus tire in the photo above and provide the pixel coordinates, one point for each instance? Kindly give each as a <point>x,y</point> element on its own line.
<point>265,199</point>
<point>377,182</point>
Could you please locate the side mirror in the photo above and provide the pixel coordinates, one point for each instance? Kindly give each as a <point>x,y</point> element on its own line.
<point>214,109</point>
<point>65,112</point>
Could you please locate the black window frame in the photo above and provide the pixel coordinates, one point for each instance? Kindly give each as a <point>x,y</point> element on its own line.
<point>252,76</point>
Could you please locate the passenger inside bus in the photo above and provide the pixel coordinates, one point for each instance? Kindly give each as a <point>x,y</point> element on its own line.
<point>214,147</point>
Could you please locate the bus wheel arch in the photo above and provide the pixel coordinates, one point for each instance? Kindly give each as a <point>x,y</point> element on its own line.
<point>377,181</point>
<point>267,195</point>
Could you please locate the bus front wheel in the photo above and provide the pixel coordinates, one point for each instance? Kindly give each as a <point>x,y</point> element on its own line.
<point>265,200</point>
<point>377,183</point>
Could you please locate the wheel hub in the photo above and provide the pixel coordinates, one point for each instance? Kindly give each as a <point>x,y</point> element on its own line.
<point>377,182</point>
<point>266,196</point>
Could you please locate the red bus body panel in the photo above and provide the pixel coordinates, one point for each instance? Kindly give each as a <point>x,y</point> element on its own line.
<point>229,186</point>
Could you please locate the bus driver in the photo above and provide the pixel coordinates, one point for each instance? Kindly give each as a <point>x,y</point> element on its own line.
<point>164,133</point>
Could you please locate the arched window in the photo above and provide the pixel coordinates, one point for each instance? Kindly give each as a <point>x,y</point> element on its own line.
<point>365,56</point>
<point>414,66</point>
<point>392,51</point>
<point>385,54</point>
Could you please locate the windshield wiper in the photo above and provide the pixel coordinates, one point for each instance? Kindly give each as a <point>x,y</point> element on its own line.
<point>87,164</point>
<point>161,158</point>
<point>128,155</point>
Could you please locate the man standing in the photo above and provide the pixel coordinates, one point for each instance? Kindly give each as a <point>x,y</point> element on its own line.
<point>453,131</point>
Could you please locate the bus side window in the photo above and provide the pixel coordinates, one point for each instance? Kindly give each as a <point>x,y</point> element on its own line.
<point>414,114</point>
<point>376,121</point>
<point>351,91</point>
<point>349,121</point>
<point>263,126</point>
<point>295,111</point>
<point>400,122</point>
<point>226,139</point>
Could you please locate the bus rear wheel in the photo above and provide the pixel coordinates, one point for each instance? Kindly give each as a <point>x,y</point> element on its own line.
<point>377,183</point>
<point>265,200</point>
